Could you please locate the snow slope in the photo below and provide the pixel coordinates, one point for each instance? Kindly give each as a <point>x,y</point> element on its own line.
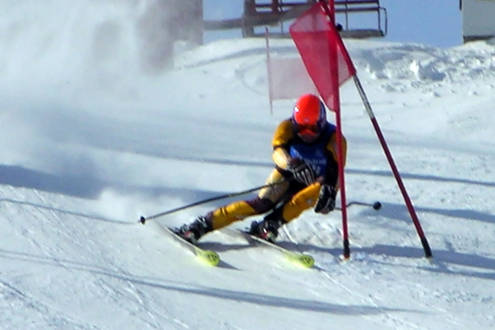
<point>92,140</point>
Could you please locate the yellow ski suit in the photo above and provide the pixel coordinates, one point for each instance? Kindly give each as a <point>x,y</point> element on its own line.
<point>296,197</point>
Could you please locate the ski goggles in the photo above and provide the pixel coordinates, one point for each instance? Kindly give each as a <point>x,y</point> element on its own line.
<point>308,130</point>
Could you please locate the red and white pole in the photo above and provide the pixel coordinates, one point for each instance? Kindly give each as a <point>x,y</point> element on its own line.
<point>334,71</point>
<point>410,207</point>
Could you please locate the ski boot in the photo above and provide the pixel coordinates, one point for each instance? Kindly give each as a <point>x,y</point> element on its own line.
<point>192,232</point>
<point>266,229</point>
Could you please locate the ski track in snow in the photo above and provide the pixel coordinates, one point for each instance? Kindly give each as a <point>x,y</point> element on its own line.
<point>93,142</point>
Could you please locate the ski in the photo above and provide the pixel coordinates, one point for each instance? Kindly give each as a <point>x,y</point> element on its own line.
<point>300,259</point>
<point>208,257</point>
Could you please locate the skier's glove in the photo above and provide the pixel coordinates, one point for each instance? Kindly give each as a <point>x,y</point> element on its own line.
<point>326,199</point>
<point>301,171</point>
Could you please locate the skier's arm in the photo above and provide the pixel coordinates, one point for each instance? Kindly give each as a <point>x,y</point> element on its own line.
<point>281,157</point>
<point>332,171</point>
<point>283,134</point>
<point>332,148</point>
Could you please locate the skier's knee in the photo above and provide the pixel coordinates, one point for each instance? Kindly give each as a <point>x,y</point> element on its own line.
<point>261,205</point>
<point>300,202</point>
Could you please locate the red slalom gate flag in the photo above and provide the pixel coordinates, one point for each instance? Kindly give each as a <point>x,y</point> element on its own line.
<point>326,59</point>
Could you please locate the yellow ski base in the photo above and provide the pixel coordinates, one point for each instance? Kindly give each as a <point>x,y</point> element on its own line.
<point>207,256</point>
<point>302,260</point>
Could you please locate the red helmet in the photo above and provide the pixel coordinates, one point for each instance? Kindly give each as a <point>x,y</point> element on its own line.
<point>309,116</point>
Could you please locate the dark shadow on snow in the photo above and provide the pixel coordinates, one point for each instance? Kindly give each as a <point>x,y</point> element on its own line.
<point>442,261</point>
<point>400,212</point>
<point>18,176</point>
<point>432,178</point>
<point>90,187</point>
<point>351,171</point>
<point>87,187</point>
<point>212,292</point>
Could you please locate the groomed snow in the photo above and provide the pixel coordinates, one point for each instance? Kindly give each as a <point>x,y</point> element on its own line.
<point>92,140</point>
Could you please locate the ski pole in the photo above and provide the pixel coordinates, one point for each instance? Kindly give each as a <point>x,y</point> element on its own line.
<point>376,205</point>
<point>204,201</point>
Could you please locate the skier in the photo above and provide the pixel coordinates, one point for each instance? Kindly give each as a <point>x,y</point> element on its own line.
<point>305,175</point>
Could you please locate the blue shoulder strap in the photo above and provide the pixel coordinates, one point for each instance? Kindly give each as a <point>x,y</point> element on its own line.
<point>314,154</point>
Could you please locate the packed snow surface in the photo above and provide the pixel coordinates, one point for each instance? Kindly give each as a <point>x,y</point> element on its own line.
<point>94,136</point>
